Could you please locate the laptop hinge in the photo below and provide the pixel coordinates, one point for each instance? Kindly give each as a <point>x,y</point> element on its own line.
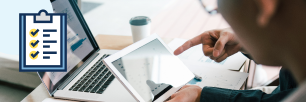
<point>74,74</point>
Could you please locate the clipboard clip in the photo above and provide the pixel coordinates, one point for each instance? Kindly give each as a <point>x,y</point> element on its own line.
<point>43,17</point>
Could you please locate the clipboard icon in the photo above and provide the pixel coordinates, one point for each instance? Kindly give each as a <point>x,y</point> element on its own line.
<point>42,41</point>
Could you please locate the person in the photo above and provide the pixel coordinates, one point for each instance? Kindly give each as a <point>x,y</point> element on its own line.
<point>271,32</point>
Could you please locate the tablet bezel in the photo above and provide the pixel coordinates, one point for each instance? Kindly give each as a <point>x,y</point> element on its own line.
<point>108,62</point>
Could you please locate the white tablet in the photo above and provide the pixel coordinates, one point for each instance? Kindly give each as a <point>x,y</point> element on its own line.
<point>149,70</point>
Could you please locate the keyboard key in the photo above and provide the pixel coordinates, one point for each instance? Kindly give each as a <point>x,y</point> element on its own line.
<point>90,73</point>
<point>88,89</point>
<point>101,74</point>
<point>81,89</point>
<point>99,77</point>
<point>95,81</point>
<point>95,89</point>
<point>101,90</point>
<point>96,74</point>
<point>104,79</point>
<point>108,74</point>
<point>107,82</point>
<point>95,69</point>
<point>86,77</point>
<point>99,71</point>
<point>83,81</point>
<point>79,85</point>
<point>76,88</point>
<point>112,77</point>
<point>86,84</point>
<point>91,85</point>
<point>100,83</point>
<point>92,79</point>
<point>104,72</point>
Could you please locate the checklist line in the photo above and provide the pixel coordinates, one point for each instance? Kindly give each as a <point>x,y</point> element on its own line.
<point>49,30</point>
<point>46,57</point>
<point>46,35</point>
<point>46,46</point>
<point>49,52</point>
<point>49,41</point>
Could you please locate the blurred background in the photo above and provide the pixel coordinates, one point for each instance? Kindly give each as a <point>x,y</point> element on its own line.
<point>170,19</point>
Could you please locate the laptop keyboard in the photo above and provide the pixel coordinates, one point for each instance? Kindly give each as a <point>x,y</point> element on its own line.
<point>95,80</point>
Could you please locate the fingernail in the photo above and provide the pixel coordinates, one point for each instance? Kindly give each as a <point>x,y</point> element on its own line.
<point>216,53</point>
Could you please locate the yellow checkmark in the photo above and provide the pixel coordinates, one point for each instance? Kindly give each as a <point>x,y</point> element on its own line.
<point>34,33</point>
<point>33,53</point>
<point>33,42</point>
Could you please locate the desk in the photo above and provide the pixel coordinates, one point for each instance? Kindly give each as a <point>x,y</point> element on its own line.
<point>113,42</point>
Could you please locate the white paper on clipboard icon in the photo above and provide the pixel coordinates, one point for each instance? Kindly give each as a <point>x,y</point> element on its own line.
<point>43,41</point>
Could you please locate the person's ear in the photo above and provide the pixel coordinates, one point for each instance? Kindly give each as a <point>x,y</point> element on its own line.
<point>267,9</point>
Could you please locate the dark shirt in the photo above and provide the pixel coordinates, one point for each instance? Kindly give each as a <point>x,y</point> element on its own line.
<point>287,84</point>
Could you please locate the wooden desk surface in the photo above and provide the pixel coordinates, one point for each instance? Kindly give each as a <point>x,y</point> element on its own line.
<point>113,42</point>
<point>117,42</point>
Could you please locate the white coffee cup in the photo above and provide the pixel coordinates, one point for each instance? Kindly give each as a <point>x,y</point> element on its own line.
<point>140,26</point>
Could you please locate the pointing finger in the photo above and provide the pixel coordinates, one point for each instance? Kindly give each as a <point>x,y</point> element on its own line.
<point>190,43</point>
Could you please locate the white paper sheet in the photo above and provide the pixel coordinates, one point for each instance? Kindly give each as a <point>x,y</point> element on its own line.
<point>196,54</point>
<point>218,77</point>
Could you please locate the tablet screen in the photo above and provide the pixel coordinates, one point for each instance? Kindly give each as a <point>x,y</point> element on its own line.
<point>152,70</point>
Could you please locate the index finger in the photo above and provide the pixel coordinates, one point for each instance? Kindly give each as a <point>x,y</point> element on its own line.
<point>190,43</point>
<point>173,98</point>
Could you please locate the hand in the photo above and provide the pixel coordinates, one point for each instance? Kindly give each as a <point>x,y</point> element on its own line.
<point>217,44</point>
<point>188,93</point>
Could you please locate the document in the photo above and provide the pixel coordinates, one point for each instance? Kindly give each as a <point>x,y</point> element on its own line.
<point>43,41</point>
<point>218,77</point>
<point>195,54</point>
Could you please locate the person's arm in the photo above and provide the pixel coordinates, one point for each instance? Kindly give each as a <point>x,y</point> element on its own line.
<point>213,94</point>
<point>193,93</point>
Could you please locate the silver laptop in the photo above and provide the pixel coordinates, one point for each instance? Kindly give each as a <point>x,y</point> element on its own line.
<point>87,78</point>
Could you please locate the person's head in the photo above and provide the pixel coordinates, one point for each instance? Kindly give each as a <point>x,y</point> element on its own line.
<point>272,31</point>
<point>267,28</point>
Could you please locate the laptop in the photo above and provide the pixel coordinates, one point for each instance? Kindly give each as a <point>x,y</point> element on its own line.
<point>87,78</point>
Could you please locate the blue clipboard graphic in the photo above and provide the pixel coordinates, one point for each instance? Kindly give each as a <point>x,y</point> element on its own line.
<point>42,42</point>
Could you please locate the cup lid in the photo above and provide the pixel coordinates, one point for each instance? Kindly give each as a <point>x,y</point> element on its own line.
<point>140,20</point>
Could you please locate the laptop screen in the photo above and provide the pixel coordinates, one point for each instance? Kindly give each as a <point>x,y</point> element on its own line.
<point>80,43</point>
